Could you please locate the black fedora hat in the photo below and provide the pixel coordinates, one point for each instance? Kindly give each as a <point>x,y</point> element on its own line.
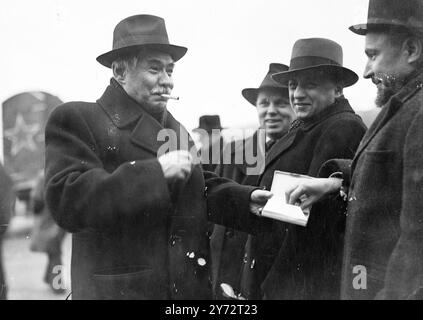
<point>140,31</point>
<point>251,93</point>
<point>402,14</point>
<point>317,54</point>
<point>208,123</point>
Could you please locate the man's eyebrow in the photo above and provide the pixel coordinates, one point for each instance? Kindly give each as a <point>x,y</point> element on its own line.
<point>263,99</point>
<point>158,61</point>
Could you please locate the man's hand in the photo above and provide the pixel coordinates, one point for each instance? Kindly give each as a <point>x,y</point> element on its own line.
<point>258,200</point>
<point>176,164</point>
<point>312,190</point>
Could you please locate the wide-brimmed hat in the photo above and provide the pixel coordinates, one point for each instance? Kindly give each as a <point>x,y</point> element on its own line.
<point>140,31</point>
<point>251,93</point>
<point>208,123</point>
<point>317,54</point>
<point>403,14</point>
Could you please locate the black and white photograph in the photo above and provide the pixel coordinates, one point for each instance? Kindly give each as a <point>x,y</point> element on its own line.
<point>144,147</point>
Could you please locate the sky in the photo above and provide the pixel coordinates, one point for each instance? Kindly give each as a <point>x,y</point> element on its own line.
<point>51,45</point>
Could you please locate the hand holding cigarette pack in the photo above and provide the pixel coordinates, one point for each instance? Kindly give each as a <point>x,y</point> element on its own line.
<point>277,207</point>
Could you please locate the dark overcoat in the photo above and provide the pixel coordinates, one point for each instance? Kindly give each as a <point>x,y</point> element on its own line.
<point>135,236</point>
<point>227,244</point>
<point>384,232</point>
<point>286,261</point>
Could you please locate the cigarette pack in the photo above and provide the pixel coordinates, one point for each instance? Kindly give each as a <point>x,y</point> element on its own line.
<point>277,207</point>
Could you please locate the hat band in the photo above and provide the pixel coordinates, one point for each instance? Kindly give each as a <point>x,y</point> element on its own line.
<point>135,40</point>
<point>310,61</point>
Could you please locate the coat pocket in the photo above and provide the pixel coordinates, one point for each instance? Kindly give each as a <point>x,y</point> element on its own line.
<point>127,283</point>
<point>380,155</point>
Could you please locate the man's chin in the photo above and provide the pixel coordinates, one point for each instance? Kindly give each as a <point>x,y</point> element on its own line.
<point>158,105</point>
<point>383,96</point>
<point>275,134</point>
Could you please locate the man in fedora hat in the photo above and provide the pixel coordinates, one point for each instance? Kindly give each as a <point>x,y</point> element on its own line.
<point>285,261</point>
<point>138,217</point>
<point>209,133</point>
<point>275,116</point>
<point>384,236</point>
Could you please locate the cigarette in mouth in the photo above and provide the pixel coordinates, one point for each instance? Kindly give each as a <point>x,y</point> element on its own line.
<point>168,96</point>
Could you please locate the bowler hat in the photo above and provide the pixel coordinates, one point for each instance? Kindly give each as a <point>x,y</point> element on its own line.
<point>209,122</point>
<point>403,14</point>
<point>140,31</point>
<point>317,54</point>
<point>251,93</point>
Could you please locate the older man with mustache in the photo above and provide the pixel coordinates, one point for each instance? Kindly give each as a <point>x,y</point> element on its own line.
<point>138,217</point>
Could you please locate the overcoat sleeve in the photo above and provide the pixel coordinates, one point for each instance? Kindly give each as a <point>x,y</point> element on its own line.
<point>80,193</point>
<point>228,202</point>
<point>404,277</point>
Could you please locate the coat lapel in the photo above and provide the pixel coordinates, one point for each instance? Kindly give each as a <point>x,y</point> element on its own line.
<point>383,117</point>
<point>282,145</point>
<point>146,132</point>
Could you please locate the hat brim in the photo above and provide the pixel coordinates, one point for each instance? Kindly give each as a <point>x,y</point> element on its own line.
<point>346,76</point>
<point>198,129</point>
<point>362,28</point>
<point>176,52</point>
<point>250,94</point>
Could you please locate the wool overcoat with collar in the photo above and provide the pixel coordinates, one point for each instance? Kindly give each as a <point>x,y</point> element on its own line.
<point>285,261</point>
<point>135,234</point>
<point>383,255</point>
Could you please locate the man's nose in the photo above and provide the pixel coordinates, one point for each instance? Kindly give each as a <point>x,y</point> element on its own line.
<point>299,92</point>
<point>367,71</point>
<point>166,80</point>
<point>272,108</point>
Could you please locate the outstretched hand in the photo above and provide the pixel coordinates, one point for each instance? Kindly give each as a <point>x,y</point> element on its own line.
<point>258,200</point>
<point>311,191</point>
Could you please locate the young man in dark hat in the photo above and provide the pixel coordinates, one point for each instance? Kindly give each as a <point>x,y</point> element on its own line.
<point>384,236</point>
<point>138,217</point>
<point>286,261</point>
<point>275,116</point>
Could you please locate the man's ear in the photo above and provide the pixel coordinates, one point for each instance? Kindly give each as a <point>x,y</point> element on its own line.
<point>414,48</point>
<point>119,73</point>
<point>339,91</point>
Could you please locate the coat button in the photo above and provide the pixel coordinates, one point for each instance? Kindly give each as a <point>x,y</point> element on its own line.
<point>229,233</point>
<point>175,289</point>
<point>173,239</point>
<point>205,191</point>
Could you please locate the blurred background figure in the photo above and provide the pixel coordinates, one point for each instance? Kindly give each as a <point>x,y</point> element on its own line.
<point>6,208</point>
<point>47,236</point>
<point>24,118</point>
<point>210,140</point>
